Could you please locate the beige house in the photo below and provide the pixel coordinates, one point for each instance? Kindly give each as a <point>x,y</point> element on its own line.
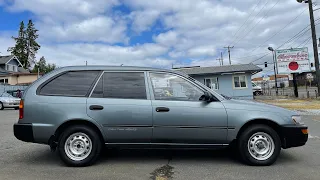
<point>13,73</point>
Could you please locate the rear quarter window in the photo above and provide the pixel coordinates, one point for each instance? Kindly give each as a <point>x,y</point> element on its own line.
<point>72,83</point>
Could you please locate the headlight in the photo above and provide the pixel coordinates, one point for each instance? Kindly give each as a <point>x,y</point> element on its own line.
<point>297,120</point>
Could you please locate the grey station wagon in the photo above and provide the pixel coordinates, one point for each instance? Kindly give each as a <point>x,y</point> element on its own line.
<point>78,110</point>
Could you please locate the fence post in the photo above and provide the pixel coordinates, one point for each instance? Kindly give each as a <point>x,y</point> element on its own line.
<point>316,93</point>
<point>308,94</point>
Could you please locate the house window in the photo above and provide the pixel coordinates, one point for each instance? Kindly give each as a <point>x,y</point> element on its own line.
<point>3,81</point>
<point>212,83</point>
<point>239,82</point>
<point>10,67</point>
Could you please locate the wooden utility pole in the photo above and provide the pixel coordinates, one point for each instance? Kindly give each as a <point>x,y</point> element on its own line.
<point>229,47</point>
<point>221,59</point>
<point>315,47</point>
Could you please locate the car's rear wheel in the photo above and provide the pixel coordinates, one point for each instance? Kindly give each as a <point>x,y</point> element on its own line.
<point>79,146</point>
<point>1,106</point>
<point>259,145</point>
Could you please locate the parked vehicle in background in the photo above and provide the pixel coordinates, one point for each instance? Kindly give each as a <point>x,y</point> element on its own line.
<point>8,101</point>
<point>257,90</point>
<point>14,93</point>
<point>78,110</point>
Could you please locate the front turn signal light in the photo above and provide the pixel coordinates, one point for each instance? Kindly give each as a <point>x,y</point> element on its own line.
<point>304,131</point>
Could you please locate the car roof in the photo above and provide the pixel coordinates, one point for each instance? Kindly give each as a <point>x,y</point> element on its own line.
<point>116,68</point>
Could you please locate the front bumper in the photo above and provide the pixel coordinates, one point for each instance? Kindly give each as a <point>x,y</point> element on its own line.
<point>10,105</point>
<point>23,132</point>
<point>293,136</point>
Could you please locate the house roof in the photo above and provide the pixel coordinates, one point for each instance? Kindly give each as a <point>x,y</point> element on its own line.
<point>220,69</point>
<point>5,59</point>
<point>22,70</point>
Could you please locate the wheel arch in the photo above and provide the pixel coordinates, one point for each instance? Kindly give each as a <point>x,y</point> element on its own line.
<point>275,126</point>
<point>72,122</point>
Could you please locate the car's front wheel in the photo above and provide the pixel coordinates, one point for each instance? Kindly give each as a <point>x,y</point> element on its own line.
<point>79,146</point>
<point>259,145</point>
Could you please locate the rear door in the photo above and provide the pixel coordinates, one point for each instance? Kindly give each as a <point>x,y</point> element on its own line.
<point>121,103</point>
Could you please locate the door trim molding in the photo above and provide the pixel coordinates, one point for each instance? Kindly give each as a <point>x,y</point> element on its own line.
<point>170,144</point>
<point>193,127</point>
<point>126,125</point>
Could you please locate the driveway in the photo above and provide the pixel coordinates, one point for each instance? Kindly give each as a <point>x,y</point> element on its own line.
<point>19,160</point>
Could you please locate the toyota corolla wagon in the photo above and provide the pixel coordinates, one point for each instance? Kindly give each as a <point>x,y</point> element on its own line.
<point>78,110</point>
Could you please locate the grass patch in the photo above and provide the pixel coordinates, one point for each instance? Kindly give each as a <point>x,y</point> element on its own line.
<point>294,103</point>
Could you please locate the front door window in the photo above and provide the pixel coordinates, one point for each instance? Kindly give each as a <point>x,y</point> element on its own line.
<point>173,87</point>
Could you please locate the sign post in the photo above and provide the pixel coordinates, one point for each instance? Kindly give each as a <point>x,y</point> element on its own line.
<point>293,61</point>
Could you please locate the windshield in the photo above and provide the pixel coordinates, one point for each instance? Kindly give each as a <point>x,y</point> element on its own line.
<point>5,95</point>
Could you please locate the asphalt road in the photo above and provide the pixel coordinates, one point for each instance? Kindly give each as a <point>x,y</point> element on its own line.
<point>19,160</point>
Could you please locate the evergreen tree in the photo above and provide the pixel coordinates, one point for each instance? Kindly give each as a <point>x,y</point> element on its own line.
<point>43,67</point>
<point>32,45</point>
<point>20,48</point>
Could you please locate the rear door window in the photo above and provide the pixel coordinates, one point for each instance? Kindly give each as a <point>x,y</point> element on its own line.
<point>122,85</point>
<point>73,83</point>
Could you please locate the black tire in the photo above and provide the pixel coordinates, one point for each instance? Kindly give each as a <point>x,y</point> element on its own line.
<point>16,108</point>
<point>95,150</point>
<point>1,107</point>
<point>244,150</point>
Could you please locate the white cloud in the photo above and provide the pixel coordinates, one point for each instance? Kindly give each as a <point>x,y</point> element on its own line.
<point>143,20</point>
<point>202,51</point>
<point>98,28</point>
<point>6,42</point>
<point>100,54</point>
<point>62,8</point>
<point>168,38</point>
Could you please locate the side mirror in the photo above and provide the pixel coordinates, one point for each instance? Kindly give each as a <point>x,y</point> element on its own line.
<point>206,97</point>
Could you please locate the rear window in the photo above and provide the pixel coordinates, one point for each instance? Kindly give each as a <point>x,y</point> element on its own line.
<point>73,83</point>
<point>124,85</point>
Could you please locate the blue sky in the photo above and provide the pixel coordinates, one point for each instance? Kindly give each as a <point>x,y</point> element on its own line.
<point>158,33</point>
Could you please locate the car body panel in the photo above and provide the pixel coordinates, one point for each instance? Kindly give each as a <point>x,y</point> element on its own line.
<point>123,120</point>
<point>190,122</point>
<point>199,122</point>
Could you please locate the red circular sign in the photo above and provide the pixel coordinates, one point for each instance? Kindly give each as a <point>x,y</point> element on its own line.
<point>293,66</point>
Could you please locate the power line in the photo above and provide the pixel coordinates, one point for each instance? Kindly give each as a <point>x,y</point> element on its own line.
<point>237,58</point>
<point>280,30</point>
<point>295,36</point>
<point>305,42</point>
<point>245,21</point>
<point>253,25</point>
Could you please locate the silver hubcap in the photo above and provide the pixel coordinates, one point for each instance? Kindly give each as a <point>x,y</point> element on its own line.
<point>0,105</point>
<point>78,146</point>
<point>261,146</point>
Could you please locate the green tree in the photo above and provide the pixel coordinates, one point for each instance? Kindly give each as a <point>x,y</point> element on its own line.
<point>20,48</point>
<point>32,45</point>
<point>43,67</point>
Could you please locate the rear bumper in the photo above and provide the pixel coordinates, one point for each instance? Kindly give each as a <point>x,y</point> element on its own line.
<point>292,136</point>
<point>23,132</point>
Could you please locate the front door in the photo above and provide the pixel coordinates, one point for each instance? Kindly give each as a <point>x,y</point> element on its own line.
<point>120,102</point>
<point>179,117</point>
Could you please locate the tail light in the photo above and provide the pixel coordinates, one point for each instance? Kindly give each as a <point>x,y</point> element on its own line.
<point>21,106</point>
